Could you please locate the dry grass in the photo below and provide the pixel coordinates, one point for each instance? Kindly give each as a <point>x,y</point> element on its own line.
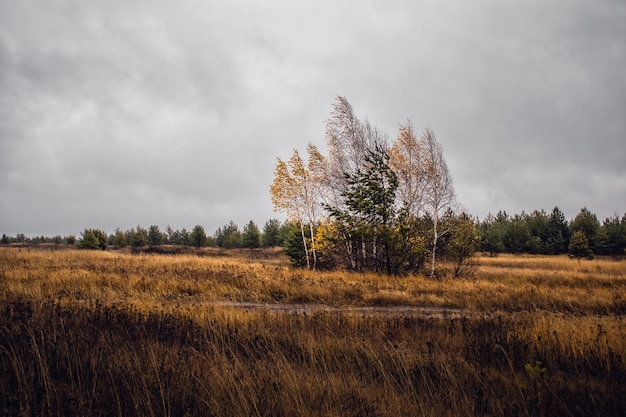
<point>100,333</point>
<point>505,283</point>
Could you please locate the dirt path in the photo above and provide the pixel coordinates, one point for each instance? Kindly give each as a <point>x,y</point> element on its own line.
<point>429,312</point>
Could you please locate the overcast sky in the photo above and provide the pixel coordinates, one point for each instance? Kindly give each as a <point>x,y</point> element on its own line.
<point>119,113</point>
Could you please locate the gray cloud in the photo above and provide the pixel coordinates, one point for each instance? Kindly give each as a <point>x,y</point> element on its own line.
<point>114,113</point>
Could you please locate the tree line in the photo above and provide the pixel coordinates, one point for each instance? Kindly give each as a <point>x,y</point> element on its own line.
<point>551,234</point>
<point>538,232</point>
<point>228,236</point>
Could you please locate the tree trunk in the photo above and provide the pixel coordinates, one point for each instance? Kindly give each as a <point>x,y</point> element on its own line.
<point>313,250</point>
<point>306,249</point>
<point>435,237</point>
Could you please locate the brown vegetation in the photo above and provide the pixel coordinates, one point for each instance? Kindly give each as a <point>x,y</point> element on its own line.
<point>101,333</point>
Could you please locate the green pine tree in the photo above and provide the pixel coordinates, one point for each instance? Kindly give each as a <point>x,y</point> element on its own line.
<point>272,233</point>
<point>579,245</point>
<point>370,216</point>
<point>198,236</point>
<point>251,237</point>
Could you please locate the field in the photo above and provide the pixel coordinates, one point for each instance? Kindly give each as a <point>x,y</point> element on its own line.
<point>91,333</point>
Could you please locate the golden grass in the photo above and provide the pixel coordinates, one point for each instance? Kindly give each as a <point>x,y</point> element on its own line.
<point>108,333</point>
<point>504,283</point>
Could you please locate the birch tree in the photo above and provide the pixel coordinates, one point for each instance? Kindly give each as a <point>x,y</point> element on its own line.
<point>407,160</point>
<point>296,191</point>
<point>348,140</point>
<point>438,189</point>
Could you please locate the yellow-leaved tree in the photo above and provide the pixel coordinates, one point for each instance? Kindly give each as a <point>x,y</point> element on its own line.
<point>425,184</point>
<point>297,191</point>
<point>406,160</point>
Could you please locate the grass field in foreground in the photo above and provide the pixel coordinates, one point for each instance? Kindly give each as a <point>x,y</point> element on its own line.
<point>104,333</point>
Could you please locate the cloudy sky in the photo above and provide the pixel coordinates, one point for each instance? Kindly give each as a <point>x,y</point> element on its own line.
<point>118,113</point>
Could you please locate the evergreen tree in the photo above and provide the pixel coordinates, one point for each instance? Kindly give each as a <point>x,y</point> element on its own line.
<point>516,235</point>
<point>579,245</point>
<point>588,223</point>
<point>370,215</point>
<point>198,236</point>
<point>169,235</point>
<point>251,237</point>
<point>228,236</point>
<point>557,240</point>
<point>293,245</point>
<point>102,238</point>
<point>119,239</point>
<point>88,240</point>
<point>611,238</point>
<point>155,237</point>
<point>538,227</point>
<point>271,234</point>
<point>138,237</point>
<point>185,237</point>
<point>491,232</point>
<point>174,237</point>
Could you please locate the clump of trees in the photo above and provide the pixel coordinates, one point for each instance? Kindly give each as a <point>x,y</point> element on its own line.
<point>371,205</point>
<point>93,239</point>
<point>551,234</point>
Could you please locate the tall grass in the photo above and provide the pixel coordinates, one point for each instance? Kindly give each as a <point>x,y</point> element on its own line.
<point>506,283</point>
<point>99,334</point>
<point>104,360</point>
